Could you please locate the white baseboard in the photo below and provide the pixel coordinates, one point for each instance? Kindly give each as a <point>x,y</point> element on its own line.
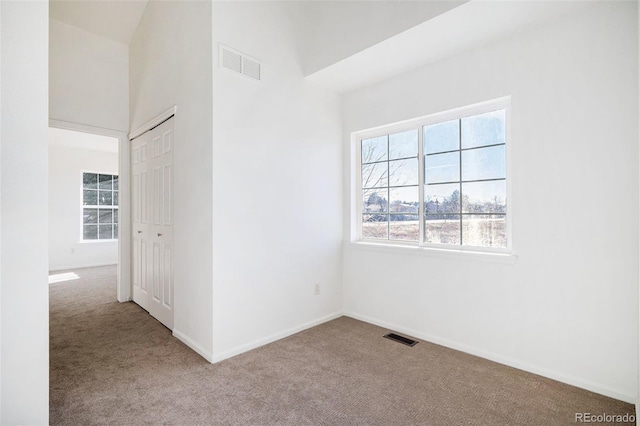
<point>92,265</point>
<point>272,338</point>
<point>192,344</point>
<point>554,375</point>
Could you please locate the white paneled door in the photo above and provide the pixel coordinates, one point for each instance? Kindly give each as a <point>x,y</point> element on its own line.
<point>152,202</point>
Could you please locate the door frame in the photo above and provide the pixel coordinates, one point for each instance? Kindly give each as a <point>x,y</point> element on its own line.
<point>124,207</point>
<point>154,122</point>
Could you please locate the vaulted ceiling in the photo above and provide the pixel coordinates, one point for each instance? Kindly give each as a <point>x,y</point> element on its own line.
<point>116,20</point>
<point>347,44</point>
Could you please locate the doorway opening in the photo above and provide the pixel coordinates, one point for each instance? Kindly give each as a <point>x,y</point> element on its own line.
<point>85,202</point>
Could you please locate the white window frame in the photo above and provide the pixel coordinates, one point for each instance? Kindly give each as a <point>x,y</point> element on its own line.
<point>83,206</point>
<point>418,124</point>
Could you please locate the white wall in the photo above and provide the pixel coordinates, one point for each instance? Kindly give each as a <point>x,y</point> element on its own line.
<point>170,64</point>
<point>24,345</point>
<point>329,31</point>
<point>277,170</point>
<point>568,308</point>
<point>66,248</point>
<point>89,78</point>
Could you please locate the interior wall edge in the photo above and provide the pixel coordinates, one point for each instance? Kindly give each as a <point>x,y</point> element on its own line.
<point>217,357</point>
<point>192,344</point>
<point>124,242</point>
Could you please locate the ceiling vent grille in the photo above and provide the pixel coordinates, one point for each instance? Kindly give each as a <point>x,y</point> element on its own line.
<point>239,63</point>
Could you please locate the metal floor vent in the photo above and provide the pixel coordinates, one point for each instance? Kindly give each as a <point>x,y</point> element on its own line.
<point>401,339</point>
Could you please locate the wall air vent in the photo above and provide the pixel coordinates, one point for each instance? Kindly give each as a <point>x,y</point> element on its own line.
<point>239,63</point>
<point>401,339</point>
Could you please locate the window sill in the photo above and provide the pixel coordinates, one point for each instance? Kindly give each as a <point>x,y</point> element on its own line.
<point>503,258</point>
<point>97,241</point>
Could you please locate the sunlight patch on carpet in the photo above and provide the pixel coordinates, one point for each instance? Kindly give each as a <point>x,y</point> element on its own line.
<point>67,276</point>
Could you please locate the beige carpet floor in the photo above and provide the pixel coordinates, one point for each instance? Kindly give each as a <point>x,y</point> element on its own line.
<point>112,363</point>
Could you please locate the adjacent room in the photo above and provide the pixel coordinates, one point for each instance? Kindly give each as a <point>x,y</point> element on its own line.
<point>83,200</point>
<point>319,212</point>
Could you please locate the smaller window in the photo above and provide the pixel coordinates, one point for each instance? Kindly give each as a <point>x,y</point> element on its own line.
<point>99,206</point>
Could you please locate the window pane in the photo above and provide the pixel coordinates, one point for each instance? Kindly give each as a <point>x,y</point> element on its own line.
<point>483,129</point>
<point>442,167</point>
<point>89,197</point>
<point>105,198</point>
<point>484,163</point>
<point>115,183</point>
<point>115,198</point>
<point>90,181</point>
<point>442,137</point>
<point>484,197</point>
<point>404,227</point>
<point>374,175</point>
<point>374,149</point>
<point>442,229</point>
<point>403,172</point>
<point>115,216</point>
<point>106,216</point>
<point>484,230</point>
<point>106,232</point>
<point>442,198</point>
<point>115,232</point>
<point>375,200</point>
<point>90,232</point>
<point>374,226</point>
<point>106,182</point>
<point>404,200</point>
<point>90,216</point>
<point>402,145</point>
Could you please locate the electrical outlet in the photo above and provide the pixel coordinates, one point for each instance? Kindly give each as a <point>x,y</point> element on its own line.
<point>73,250</point>
<point>316,289</point>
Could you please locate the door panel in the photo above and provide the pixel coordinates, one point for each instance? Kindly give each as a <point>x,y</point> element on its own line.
<point>135,194</point>
<point>166,185</point>
<point>144,196</point>
<point>153,232</point>
<point>157,196</point>
<point>168,278</point>
<point>157,276</point>
<point>156,146</point>
<point>139,195</point>
<point>143,268</point>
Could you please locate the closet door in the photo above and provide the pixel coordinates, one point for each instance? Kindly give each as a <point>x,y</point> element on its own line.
<point>152,196</point>
<point>161,224</point>
<point>140,222</point>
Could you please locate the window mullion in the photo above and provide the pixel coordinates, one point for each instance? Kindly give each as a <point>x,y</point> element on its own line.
<point>359,190</point>
<point>460,171</point>
<point>388,191</point>
<point>421,181</point>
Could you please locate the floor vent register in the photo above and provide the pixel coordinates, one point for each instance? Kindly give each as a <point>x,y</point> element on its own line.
<point>401,339</point>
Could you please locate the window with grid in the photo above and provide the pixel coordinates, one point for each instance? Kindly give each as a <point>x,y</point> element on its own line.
<point>99,206</point>
<point>441,182</point>
<point>390,206</point>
